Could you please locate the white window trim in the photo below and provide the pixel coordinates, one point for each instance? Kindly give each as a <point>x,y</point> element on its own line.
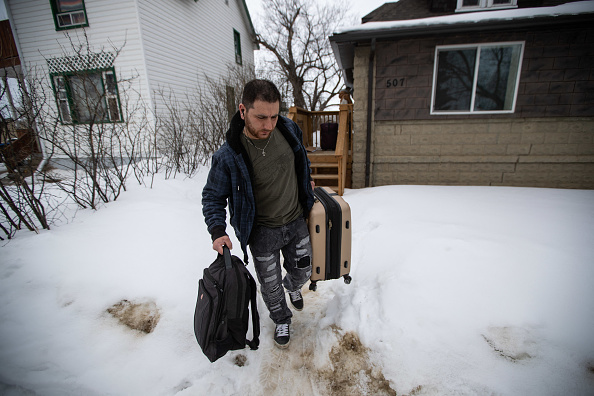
<point>485,5</point>
<point>471,111</point>
<point>71,14</point>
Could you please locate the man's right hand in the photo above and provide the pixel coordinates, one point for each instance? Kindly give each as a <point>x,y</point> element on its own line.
<point>220,242</point>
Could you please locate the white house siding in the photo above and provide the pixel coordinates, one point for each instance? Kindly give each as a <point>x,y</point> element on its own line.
<point>186,40</point>
<point>112,23</point>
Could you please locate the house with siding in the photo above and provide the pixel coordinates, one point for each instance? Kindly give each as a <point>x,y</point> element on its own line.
<point>171,46</point>
<point>472,92</point>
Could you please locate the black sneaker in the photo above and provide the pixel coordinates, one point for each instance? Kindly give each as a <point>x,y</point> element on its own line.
<point>281,336</point>
<point>296,299</point>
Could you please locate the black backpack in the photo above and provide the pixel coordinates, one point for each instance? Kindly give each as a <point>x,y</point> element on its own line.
<point>221,318</point>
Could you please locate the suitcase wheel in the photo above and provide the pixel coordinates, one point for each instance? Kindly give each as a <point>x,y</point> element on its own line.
<point>347,279</point>
<point>313,286</point>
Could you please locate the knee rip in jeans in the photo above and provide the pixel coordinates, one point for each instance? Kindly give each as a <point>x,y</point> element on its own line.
<point>303,242</point>
<point>275,289</point>
<point>262,259</point>
<point>303,262</point>
<point>270,278</point>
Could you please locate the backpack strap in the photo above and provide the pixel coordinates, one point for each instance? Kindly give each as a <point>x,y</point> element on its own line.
<point>255,342</point>
<point>227,255</point>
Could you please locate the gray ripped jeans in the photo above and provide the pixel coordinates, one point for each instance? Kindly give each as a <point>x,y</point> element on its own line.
<point>266,245</point>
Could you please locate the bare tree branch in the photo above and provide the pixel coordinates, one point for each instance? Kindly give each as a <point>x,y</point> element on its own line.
<point>295,33</point>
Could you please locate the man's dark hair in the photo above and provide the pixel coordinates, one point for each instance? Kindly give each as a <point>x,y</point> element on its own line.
<point>263,90</point>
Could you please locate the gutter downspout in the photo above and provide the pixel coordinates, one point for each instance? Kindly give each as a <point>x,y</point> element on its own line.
<point>369,113</point>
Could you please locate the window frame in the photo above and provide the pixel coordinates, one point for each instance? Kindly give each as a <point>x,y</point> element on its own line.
<point>478,47</point>
<point>485,5</point>
<point>56,14</point>
<point>237,47</point>
<point>65,100</point>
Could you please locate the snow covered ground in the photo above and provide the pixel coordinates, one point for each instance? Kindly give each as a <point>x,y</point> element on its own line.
<point>456,291</point>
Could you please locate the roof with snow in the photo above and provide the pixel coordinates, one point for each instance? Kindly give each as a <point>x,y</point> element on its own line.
<point>583,10</point>
<point>425,17</point>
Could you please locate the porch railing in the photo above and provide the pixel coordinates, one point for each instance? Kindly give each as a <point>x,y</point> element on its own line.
<point>329,167</point>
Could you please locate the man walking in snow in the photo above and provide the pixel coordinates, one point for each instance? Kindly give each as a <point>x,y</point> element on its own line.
<point>262,172</point>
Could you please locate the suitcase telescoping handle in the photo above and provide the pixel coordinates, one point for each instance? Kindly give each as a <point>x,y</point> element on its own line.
<point>227,255</point>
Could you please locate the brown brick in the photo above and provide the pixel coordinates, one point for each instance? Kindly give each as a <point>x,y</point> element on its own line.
<point>418,167</point>
<point>494,149</point>
<point>407,150</point>
<point>529,168</point>
<point>538,64</point>
<point>486,138</point>
<point>557,137</point>
<point>584,86</point>
<point>384,129</point>
<point>406,177</point>
<point>533,137</point>
<point>565,62</point>
<point>558,111</point>
<point>428,177</point>
<point>562,87</point>
<point>403,71</point>
<point>412,129</point>
<point>585,149</point>
<point>566,149</point>
<point>524,100</point>
<point>582,111</point>
<point>518,149</point>
<point>532,111</point>
<point>416,103</point>
<point>382,179</point>
<point>401,140</point>
<point>557,50</point>
<point>417,81</point>
<point>542,149</point>
<point>537,88</point>
<point>499,127</point>
<point>451,149</point>
<point>576,74</point>
<point>550,75</point>
<point>509,138</point>
<point>429,150</point>
<point>422,139</point>
<point>449,177</point>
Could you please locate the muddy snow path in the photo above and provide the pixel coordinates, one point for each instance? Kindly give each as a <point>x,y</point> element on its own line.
<point>321,359</point>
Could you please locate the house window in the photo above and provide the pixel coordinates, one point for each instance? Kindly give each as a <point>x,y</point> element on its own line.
<point>474,5</point>
<point>87,96</point>
<point>237,40</point>
<point>480,78</point>
<point>69,14</point>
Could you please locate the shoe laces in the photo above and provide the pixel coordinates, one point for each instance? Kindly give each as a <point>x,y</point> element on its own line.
<point>282,330</point>
<point>295,295</point>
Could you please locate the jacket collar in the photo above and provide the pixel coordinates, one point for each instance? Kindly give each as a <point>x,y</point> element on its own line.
<point>236,129</point>
<point>234,133</point>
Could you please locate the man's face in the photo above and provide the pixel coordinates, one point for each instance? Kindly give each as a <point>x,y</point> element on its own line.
<point>260,120</point>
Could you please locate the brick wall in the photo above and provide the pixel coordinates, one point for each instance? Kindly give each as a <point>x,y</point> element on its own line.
<point>547,142</point>
<point>534,152</point>
<point>557,76</point>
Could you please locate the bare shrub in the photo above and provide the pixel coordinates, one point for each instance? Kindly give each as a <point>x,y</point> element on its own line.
<point>22,189</point>
<point>189,131</point>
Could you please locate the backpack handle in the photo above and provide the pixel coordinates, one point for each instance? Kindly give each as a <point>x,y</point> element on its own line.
<point>227,255</point>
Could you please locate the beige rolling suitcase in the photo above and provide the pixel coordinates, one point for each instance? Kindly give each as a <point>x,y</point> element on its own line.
<point>330,232</point>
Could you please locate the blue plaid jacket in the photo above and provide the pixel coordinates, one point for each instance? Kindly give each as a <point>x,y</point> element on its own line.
<point>230,180</point>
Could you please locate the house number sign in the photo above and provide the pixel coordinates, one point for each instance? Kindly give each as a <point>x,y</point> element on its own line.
<point>393,83</point>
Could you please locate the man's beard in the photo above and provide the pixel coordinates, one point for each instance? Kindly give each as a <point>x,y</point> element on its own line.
<point>253,133</point>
